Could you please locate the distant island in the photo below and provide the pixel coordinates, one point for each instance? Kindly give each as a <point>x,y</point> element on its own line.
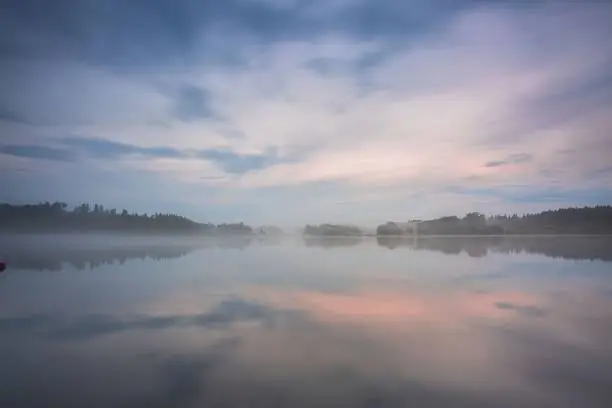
<point>579,221</point>
<point>472,224</point>
<point>586,220</point>
<point>56,217</point>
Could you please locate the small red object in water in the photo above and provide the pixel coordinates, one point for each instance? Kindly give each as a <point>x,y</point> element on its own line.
<point>2,266</point>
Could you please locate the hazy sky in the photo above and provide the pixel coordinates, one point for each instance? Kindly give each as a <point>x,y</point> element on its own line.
<point>292,111</point>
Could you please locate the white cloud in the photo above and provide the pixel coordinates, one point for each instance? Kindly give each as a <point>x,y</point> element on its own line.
<point>426,109</point>
<point>423,117</point>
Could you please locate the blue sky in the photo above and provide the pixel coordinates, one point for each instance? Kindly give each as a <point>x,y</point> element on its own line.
<point>288,111</point>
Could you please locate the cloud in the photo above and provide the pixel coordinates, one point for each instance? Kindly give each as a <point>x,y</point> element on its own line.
<point>106,149</point>
<point>7,114</point>
<point>264,101</point>
<point>240,164</point>
<point>73,147</point>
<point>529,311</point>
<point>173,32</point>
<point>192,104</point>
<point>518,158</point>
<point>67,94</point>
<point>37,152</point>
<point>160,31</point>
<point>89,327</point>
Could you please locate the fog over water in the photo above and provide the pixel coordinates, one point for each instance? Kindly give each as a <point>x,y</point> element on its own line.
<point>120,321</point>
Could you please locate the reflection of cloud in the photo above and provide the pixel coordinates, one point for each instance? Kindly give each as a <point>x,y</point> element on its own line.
<point>531,311</point>
<point>568,359</point>
<point>187,378</point>
<point>92,326</point>
<point>518,158</point>
<point>305,360</point>
<point>214,379</point>
<point>453,340</point>
<point>398,306</point>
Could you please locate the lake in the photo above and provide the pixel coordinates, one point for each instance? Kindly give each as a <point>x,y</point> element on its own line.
<point>116,321</point>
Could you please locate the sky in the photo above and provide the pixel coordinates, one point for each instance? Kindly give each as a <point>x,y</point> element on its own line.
<point>293,111</point>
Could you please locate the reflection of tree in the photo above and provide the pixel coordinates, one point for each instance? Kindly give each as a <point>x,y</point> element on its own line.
<point>331,242</point>
<point>558,247</point>
<point>562,247</point>
<point>89,252</point>
<point>81,259</point>
<point>396,242</point>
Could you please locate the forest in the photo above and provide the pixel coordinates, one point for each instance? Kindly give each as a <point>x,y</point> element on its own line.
<point>586,220</point>
<point>57,217</point>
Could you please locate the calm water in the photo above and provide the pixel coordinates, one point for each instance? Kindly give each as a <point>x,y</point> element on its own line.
<point>173,322</point>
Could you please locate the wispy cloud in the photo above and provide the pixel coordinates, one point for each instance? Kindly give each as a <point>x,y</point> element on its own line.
<point>72,148</point>
<point>523,310</point>
<point>37,152</point>
<point>102,148</point>
<point>518,158</point>
<point>225,313</point>
<point>192,104</point>
<point>235,163</point>
<point>265,101</point>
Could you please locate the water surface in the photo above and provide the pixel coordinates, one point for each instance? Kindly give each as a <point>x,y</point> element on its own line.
<point>112,321</point>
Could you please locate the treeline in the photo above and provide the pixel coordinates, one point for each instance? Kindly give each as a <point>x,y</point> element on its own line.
<point>57,217</point>
<point>586,220</point>
<point>472,224</point>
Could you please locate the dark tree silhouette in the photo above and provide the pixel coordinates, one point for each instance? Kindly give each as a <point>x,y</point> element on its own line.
<point>586,220</point>
<point>56,217</point>
<point>390,228</point>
